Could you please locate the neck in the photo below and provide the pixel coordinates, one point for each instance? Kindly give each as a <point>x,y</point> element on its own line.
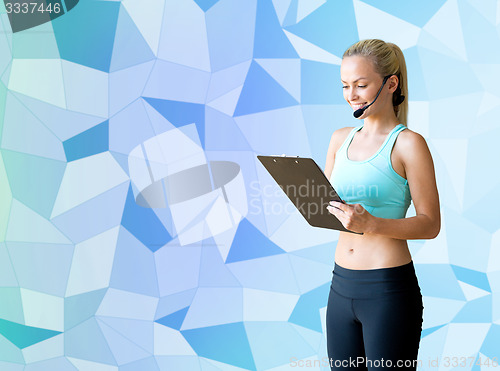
<point>380,122</point>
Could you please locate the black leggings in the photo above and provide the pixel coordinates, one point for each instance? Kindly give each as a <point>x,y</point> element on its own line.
<point>374,318</point>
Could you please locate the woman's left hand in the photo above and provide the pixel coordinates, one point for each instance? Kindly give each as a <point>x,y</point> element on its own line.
<point>353,217</point>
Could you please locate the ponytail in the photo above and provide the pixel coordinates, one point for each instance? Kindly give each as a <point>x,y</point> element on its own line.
<point>401,110</point>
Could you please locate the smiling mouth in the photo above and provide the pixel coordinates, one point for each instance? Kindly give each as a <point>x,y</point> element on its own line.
<point>358,106</point>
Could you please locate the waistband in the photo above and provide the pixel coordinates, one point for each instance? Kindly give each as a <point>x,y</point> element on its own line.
<point>370,283</point>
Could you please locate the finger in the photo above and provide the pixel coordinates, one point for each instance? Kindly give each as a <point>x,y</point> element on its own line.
<point>339,205</point>
<point>332,210</point>
<point>337,213</point>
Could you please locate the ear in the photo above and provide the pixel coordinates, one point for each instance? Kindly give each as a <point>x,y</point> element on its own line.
<point>393,83</point>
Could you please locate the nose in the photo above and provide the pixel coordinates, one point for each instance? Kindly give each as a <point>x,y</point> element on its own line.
<point>351,94</point>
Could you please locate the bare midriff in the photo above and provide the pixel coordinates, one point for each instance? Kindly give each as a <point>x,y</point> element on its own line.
<point>370,251</point>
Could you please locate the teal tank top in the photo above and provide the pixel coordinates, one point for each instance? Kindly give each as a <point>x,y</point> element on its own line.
<point>373,183</point>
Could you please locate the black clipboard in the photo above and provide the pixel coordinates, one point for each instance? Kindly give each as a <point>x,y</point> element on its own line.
<point>306,185</point>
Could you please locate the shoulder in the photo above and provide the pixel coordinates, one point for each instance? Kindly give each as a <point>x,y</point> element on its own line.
<point>339,136</point>
<point>411,139</point>
<point>411,144</point>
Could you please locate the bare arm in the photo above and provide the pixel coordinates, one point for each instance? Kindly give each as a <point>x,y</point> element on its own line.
<point>419,169</point>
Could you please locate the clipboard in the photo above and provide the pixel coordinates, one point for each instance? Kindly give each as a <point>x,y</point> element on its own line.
<point>306,185</point>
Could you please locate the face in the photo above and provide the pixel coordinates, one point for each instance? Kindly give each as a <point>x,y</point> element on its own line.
<point>361,83</point>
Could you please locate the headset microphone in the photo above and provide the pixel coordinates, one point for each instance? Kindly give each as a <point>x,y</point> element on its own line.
<point>361,110</point>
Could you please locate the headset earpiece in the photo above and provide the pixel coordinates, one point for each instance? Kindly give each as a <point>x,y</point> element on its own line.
<point>397,97</point>
<point>398,100</point>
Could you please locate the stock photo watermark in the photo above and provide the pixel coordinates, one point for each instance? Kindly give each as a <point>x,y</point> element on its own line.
<point>26,14</point>
<point>309,198</point>
<point>435,362</point>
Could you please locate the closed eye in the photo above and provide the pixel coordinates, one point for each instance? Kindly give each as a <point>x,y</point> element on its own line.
<point>359,86</point>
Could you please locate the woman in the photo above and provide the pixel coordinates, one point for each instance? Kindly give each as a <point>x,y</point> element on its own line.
<point>374,312</point>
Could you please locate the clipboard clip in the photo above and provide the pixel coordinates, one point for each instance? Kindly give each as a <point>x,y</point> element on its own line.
<point>285,156</point>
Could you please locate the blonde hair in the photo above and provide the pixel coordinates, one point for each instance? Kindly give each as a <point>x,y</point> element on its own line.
<point>388,59</point>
